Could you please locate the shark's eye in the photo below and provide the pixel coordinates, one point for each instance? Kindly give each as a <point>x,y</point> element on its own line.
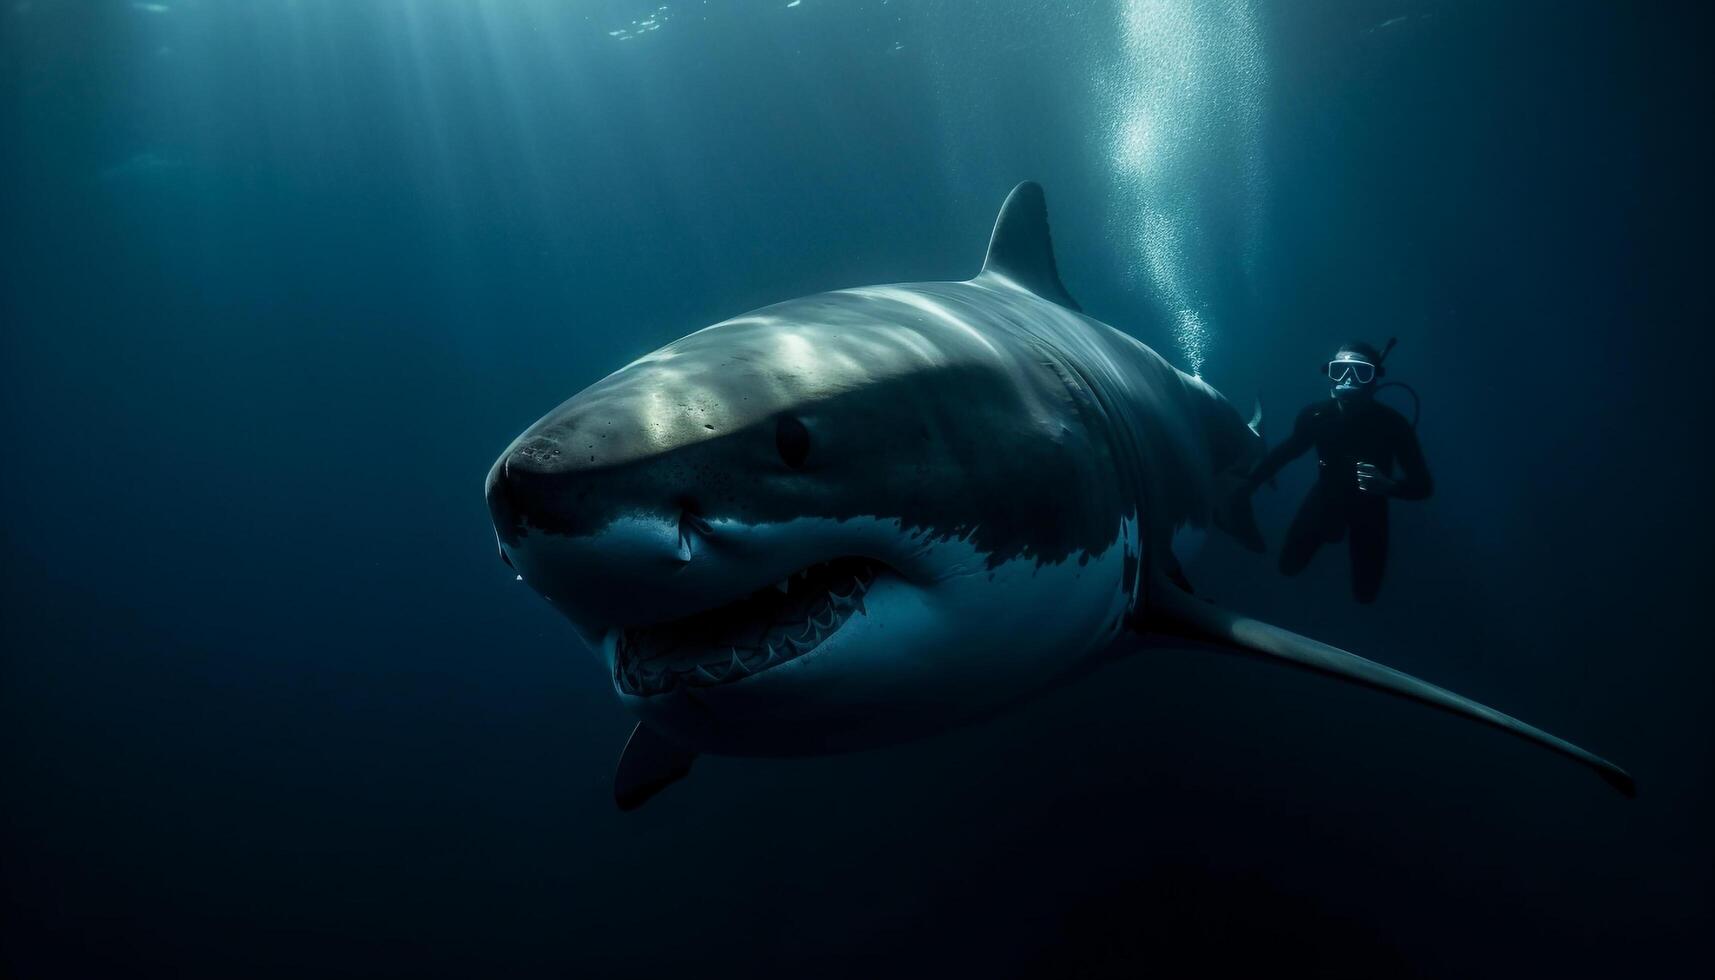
<point>793,441</point>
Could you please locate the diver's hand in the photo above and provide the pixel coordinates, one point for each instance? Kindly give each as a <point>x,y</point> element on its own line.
<point>1372,480</point>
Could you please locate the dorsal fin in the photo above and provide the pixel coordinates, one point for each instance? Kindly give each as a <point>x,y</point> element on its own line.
<point>1021,250</point>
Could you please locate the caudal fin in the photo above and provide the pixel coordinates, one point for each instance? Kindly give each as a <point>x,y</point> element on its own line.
<point>1233,513</point>
<point>1174,611</point>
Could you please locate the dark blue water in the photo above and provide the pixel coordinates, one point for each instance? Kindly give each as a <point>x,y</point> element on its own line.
<point>281,279</point>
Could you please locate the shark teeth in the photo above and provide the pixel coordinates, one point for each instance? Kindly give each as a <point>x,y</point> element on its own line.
<point>777,623</point>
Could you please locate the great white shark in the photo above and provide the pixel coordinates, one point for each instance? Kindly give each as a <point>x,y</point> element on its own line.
<point>867,515</point>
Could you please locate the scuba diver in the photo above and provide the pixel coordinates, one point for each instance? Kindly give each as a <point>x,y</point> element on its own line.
<point>1358,442</point>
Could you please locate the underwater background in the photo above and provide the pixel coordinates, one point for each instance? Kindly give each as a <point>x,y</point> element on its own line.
<point>282,277</point>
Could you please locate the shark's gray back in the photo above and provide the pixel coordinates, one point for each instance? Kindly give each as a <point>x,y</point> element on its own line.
<point>1172,436</point>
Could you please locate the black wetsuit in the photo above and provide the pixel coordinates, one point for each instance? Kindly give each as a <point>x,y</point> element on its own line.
<point>1346,433</point>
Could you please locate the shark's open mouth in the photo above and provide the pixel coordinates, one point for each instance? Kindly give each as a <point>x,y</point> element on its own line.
<point>773,625</point>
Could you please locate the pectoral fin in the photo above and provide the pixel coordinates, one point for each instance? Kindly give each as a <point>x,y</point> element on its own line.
<point>649,764</point>
<point>1175,612</point>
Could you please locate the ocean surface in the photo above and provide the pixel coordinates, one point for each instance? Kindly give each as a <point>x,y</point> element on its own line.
<point>282,277</point>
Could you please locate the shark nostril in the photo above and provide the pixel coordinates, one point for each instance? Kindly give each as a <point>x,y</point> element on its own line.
<point>792,440</point>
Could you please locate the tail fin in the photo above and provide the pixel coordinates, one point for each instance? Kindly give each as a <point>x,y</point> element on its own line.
<point>1261,435</point>
<point>1233,510</point>
<point>1235,446</point>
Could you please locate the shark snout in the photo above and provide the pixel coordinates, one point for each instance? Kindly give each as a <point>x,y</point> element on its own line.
<point>605,547</point>
<point>545,484</point>
<point>526,484</point>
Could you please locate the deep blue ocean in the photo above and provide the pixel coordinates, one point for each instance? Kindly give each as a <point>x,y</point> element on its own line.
<point>282,277</point>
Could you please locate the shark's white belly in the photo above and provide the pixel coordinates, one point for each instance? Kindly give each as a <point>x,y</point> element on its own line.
<point>917,658</point>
